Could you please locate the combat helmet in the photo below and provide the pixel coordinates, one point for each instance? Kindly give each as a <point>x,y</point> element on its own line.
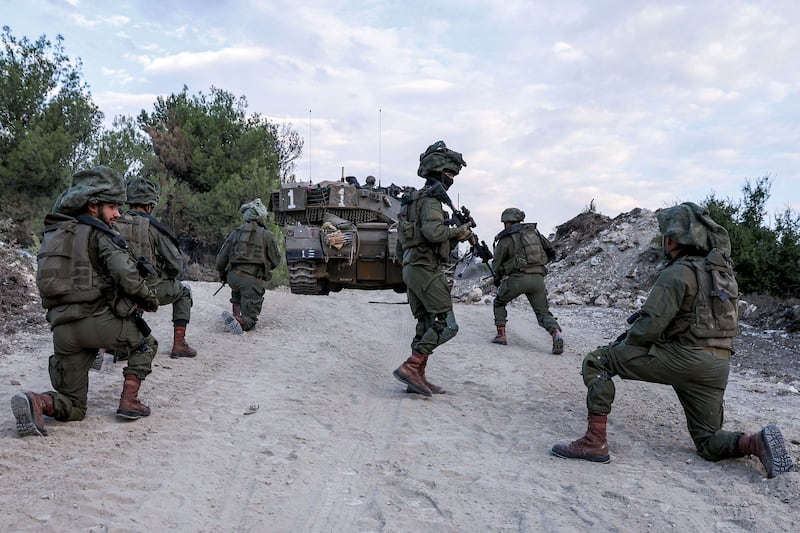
<point>691,225</point>
<point>142,191</point>
<point>438,158</point>
<point>512,214</point>
<point>96,185</point>
<point>254,211</point>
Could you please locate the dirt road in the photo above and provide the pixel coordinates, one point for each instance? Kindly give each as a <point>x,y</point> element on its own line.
<point>299,426</point>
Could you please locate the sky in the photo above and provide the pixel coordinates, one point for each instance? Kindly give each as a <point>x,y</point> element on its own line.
<point>556,106</point>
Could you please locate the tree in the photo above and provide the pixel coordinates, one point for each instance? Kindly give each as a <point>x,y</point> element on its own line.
<point>289,146</point>
<point>124,147</point>
<point>213,157</point>
<point>47,126</point>
<point>767,260</point>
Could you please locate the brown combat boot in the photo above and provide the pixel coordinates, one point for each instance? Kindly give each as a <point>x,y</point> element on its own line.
<point>233,324</point>
<point>410,373</point>
<point>500,338</point>
<point>129,405</point>
<point>591,447</point>
<point>769,447</point>
<point>434,388</point>
<point>558,342</point>
<point>29,409</point>
<point>179,346</point>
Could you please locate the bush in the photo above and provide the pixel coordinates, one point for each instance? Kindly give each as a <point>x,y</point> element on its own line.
<point>767,259</point>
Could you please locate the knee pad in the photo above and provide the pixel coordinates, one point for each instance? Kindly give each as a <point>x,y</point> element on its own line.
<point>444,324</point>
<point>148,344</point>
<point>595,366</point>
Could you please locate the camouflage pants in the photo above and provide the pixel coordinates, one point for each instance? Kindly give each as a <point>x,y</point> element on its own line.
<point>75,345</point>
<point>247,291</point>
<point>697,377</point>
<point>172,291</point>
<point>532,286</point>
<point>431,304</point>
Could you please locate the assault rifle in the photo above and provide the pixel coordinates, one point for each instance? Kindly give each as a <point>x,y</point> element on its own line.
<point>138,319</point>
<point>630,320</point>
<point>477,247</point>
<point>222,285</point>
<point>224,279</point>
<point>144,266</point>
<point>460,217</point>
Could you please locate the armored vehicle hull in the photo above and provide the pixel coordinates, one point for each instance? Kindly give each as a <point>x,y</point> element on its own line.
<point>339,235</point>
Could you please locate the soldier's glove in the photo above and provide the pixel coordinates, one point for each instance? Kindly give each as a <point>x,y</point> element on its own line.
<point>497,281</point>
<point>150,302</point>
<point>463,232</point>
<point>223,276</point>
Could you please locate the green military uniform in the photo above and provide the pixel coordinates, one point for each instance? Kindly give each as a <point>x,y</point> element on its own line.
<point>683,337</point>
<point>520,256</point>
<point>245,260</point>
<point>148,238</point>
<point>89,283</point>
<point>428,290</point>
<point>425,242</point>
<point>657,351</point>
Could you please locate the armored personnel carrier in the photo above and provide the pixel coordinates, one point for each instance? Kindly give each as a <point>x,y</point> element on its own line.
<point>339,235</point>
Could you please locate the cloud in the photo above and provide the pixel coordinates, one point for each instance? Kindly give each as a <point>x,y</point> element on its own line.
<point>425,86</point>
<point>192,61</point>
<point>552,104</point>
<point>566,52</point>
<point>112,20</point>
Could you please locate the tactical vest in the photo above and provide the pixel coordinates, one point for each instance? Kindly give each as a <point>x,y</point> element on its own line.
<point>248,246</point>
<point>409,227</point>
<point>715,313</point>
<point>65,273</point>
<point>409,233</point>
<point>529,254</point>
<point>136,231</point>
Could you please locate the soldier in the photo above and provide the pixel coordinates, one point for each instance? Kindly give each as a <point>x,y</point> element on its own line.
<point>93,292</point>
<point>150,239</point>
<point>425,240</point>
<point>520,256</point>
<point>245,260</point>
<point>683,337</point>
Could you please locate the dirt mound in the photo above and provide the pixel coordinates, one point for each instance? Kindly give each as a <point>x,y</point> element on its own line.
<point>574,232</point>
<point>20,305</point>
<point>606,262</point>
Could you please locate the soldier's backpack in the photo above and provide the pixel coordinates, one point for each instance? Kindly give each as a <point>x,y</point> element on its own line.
<point>135,229</point>
<point>408,231</point>
<point>716,308</point>
<point>528,246</point>
<point>248,248</point>
<point>65,273</point>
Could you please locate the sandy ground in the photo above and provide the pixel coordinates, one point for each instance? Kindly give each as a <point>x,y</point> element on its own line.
<point>337,445</point>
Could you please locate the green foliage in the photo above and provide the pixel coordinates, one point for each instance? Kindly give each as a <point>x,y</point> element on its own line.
<point>47,127</point>
<point>206,151</point>
<point>211,157</point>
<point>767,258</point>
<point>124,148</point>
<point>280,276</point>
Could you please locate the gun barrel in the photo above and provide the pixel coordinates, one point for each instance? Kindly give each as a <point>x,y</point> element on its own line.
<point>220,288</point>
